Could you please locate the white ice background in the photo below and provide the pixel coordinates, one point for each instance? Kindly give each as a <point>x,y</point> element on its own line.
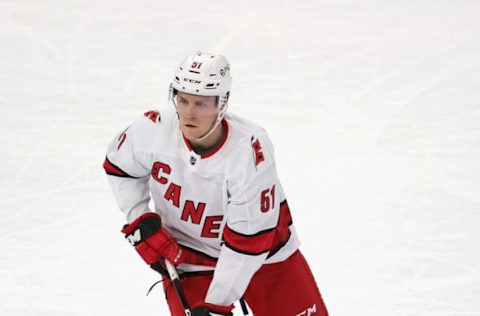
<point>373,106</point>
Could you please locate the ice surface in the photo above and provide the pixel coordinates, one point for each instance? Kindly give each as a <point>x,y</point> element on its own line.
<point>373,106</point>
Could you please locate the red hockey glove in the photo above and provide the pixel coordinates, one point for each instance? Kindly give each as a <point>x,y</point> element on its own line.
<point>206,309</point>
<point>151,240</point>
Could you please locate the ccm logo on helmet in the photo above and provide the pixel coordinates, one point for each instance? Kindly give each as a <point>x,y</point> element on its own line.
<point>191,80</point>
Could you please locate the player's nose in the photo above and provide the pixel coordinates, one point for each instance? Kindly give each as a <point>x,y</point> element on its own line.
<point>190,111</point>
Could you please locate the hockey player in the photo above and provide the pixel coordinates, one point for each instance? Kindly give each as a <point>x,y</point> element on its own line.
<point>219,211</point>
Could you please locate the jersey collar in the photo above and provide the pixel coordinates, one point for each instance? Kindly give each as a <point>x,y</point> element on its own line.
<point>217,147</point>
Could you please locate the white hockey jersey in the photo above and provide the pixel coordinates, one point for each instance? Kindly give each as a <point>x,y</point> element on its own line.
<point>226,208</point>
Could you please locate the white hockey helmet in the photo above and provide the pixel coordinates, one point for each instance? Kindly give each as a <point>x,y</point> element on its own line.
<point>203,74</point>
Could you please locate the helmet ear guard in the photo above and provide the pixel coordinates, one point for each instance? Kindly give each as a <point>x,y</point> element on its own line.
<point>222,103</point>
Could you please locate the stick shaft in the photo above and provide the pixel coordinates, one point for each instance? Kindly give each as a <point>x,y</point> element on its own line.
<point>172,271</point>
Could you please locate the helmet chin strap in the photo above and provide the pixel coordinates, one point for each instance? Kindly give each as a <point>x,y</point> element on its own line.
<point>214,126</point>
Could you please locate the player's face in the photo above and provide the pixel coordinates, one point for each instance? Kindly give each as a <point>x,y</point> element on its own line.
<point>197,114</point>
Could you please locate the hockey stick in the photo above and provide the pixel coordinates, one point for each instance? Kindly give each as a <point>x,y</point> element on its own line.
<point>244,306</point>
<point>172,271</point>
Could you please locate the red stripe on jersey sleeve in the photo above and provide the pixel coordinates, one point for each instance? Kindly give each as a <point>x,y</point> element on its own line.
<point>271,240</point>
<point>285,216</point>
<point>282,232</point>
<point>113,170</point>
<point>249,244</point>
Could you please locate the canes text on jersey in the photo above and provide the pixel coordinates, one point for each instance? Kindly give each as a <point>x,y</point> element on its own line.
<point>211,225</point>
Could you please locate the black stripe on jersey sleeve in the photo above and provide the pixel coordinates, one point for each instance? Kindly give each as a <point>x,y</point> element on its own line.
<point>245,252</point>
<point>113,170</point>
<point>254,244</point>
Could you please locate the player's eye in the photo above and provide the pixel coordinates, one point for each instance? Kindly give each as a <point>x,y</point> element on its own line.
<point>182,101</point>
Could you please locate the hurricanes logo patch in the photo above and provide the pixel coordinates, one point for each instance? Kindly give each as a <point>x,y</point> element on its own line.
<point>154,116</point>
<point>257,151</point>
